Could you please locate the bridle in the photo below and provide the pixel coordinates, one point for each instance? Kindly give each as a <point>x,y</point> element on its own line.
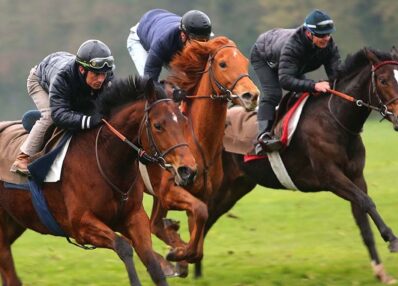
<point>382,107</point>
<point>224,93</point>
<point>155,156</point>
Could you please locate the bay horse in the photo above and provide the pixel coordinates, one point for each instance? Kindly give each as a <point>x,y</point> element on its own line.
<point>326,152</point>
<point>100,191</point>
<point>212,73</point>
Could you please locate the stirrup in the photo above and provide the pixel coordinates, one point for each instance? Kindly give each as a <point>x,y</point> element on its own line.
<point>269,143</point>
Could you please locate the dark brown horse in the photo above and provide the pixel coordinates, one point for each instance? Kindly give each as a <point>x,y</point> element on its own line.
<point>326,153</point>
<point>100,192</point>
<point>214,73</point>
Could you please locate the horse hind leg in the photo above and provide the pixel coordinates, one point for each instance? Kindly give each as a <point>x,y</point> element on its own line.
<point>9,232</point>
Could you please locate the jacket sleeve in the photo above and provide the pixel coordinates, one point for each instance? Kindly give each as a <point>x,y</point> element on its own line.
<point>290,71</point>
<point>334,60</point>
<point>60,93</point>
<point>154,62</point>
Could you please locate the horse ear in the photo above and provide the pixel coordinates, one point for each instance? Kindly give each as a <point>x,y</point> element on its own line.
<point>150,92</point>
<point>371,56</point>
<point>394,52</point>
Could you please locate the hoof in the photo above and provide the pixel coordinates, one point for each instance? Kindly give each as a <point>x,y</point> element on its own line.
<point>393,245</point>
<point>382,275</point>
<point>182,269</point>
<point>168,269</point>
<point>176,254</point>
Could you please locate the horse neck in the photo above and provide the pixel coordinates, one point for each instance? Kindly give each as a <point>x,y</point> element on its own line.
<point>117,158</point>
<point>207,117</point>
<point>348,113</point>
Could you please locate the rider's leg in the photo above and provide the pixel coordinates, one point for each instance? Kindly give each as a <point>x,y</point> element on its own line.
<point>271,94</point>
<point>34,141</point>
<point>137,52</point>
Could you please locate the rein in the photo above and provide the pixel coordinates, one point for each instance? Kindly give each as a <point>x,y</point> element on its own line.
<point>226,93</point>
<point>157,158</point>
<point>382,108</point>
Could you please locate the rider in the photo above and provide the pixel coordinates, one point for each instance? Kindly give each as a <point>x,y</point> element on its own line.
<point>281,57</point>
<point>160,34</point>
<point>64,88</point>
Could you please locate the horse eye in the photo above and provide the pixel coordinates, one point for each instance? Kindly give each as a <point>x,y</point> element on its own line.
<point>223,64</point>
<point>383,81</point>
<point>157,126</point>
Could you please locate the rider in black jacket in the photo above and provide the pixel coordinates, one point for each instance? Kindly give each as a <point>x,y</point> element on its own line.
<point>282,57</point>
<point>65,87</point>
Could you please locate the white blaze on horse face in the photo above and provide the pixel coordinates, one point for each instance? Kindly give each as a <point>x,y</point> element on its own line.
<point>175,117</point>
<point>396,75</point>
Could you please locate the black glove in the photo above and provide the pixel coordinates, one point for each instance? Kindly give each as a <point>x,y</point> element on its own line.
<point>179,94</point>
<point>95,120</point>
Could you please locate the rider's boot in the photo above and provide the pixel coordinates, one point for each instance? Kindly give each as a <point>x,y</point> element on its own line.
<point>267,142</point>
<point>21,164</point>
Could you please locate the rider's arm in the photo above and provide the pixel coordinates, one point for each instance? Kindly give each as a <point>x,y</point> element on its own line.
<point>153,64</point>
<point>60,93</point>
<point>290,76</point>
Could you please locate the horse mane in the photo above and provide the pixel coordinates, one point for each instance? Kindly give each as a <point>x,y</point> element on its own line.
<point>187,66</point>
<point>354,62</point>
<point>124,91</point>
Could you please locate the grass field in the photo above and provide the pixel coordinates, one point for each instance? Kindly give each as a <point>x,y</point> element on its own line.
<point>278,238</point>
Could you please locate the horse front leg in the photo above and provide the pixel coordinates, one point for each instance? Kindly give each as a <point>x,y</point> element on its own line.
<point>178,198</point>
<point>362,221</point>
<point>90,230</point>
<point>362,204</point>
<point>138,230</point>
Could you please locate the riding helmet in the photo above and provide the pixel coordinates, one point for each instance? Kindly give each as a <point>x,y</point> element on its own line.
<point>94,55</point>
<point>196,24</point>
<point>318,22</point>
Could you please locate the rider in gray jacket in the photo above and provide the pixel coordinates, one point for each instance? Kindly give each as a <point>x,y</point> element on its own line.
<point>281,58</point>
<point>64,88</point>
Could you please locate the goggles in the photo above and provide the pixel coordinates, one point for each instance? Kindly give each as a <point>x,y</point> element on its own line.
<point>321,35</point>
<point>99,63</point>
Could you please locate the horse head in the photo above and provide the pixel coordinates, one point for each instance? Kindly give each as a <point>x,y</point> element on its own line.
<point>385,84</point>
<point>164,135</point>
<point>141,110</point>
<point>226,69</point>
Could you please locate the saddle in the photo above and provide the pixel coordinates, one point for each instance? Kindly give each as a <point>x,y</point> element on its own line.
<point>241,126</point>
<point>12,136</point>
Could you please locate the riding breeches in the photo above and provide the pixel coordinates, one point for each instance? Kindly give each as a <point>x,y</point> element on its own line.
<point>271,91</point>
<point>137,52</point>
<point>34,141</point>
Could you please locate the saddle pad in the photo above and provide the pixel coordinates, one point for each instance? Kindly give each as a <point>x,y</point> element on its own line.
<point>12,135</point>
<point>240,130</point>
<point>241,127</point>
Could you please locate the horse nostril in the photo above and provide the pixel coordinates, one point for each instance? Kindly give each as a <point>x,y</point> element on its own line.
<point>186,174</point>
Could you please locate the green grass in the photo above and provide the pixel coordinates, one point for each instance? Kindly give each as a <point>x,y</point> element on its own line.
<point>278,238</point>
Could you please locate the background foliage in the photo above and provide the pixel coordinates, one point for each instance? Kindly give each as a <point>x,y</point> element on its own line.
<point>30,30</point>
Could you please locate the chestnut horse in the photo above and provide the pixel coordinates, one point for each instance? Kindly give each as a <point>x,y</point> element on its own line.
<point>214,73</point>
<point>100,191</point>
<point>327,153</point>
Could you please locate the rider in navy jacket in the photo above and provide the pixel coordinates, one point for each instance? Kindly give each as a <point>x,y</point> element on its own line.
<point>160,34</point>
